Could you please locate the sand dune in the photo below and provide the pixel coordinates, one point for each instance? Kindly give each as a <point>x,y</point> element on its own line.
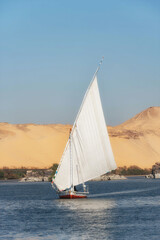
<point>135,142</point>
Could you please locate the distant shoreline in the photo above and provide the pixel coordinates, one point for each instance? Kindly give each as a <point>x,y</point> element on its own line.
<point>126,177</point>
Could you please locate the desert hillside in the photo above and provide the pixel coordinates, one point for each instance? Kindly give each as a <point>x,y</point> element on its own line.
<point>135,142</point>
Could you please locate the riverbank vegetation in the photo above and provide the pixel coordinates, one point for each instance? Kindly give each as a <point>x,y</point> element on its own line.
<point>8,174</point>
<point>131,171</point>
<point>11,174</point>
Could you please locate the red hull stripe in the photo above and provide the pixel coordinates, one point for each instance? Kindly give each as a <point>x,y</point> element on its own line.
<point>72,196</point>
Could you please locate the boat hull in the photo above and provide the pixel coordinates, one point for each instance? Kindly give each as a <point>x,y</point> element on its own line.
<point>72,195</point>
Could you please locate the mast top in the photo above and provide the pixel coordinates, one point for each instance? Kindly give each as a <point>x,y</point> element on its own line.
<point>99,65</point>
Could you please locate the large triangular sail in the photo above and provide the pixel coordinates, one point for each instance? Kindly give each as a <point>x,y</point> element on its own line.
<point>92,154</point>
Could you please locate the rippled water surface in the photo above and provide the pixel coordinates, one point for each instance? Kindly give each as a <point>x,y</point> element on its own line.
<point>125,209</point>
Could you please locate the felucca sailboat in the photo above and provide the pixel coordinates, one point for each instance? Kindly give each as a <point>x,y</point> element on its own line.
<point>88,153</point>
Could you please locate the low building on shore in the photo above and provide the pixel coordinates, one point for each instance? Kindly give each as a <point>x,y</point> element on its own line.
<point>37,175</point>
<point>155,171</point>
<point>107,177</point>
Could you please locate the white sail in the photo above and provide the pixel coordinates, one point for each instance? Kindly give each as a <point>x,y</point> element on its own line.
<point>92,154</point>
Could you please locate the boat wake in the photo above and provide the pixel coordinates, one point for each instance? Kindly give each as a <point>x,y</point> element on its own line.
<point>119,193</point>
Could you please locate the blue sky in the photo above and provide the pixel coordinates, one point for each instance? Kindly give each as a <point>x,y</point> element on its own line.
<point>50,49</point>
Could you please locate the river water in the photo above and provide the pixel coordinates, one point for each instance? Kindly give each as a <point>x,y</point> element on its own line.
<point>118,210</point>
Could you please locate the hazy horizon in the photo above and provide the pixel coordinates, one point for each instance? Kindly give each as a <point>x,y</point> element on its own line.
<point>37,123</point>
<point>50,51</point>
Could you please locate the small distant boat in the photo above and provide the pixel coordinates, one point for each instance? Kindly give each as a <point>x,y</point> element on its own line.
<point>88,153</point>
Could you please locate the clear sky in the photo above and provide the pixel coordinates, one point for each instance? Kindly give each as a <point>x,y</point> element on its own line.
<point>50,49</point>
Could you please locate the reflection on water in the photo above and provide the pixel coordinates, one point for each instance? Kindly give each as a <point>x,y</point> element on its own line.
<point>87,204</point>
<point>89,216</point>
